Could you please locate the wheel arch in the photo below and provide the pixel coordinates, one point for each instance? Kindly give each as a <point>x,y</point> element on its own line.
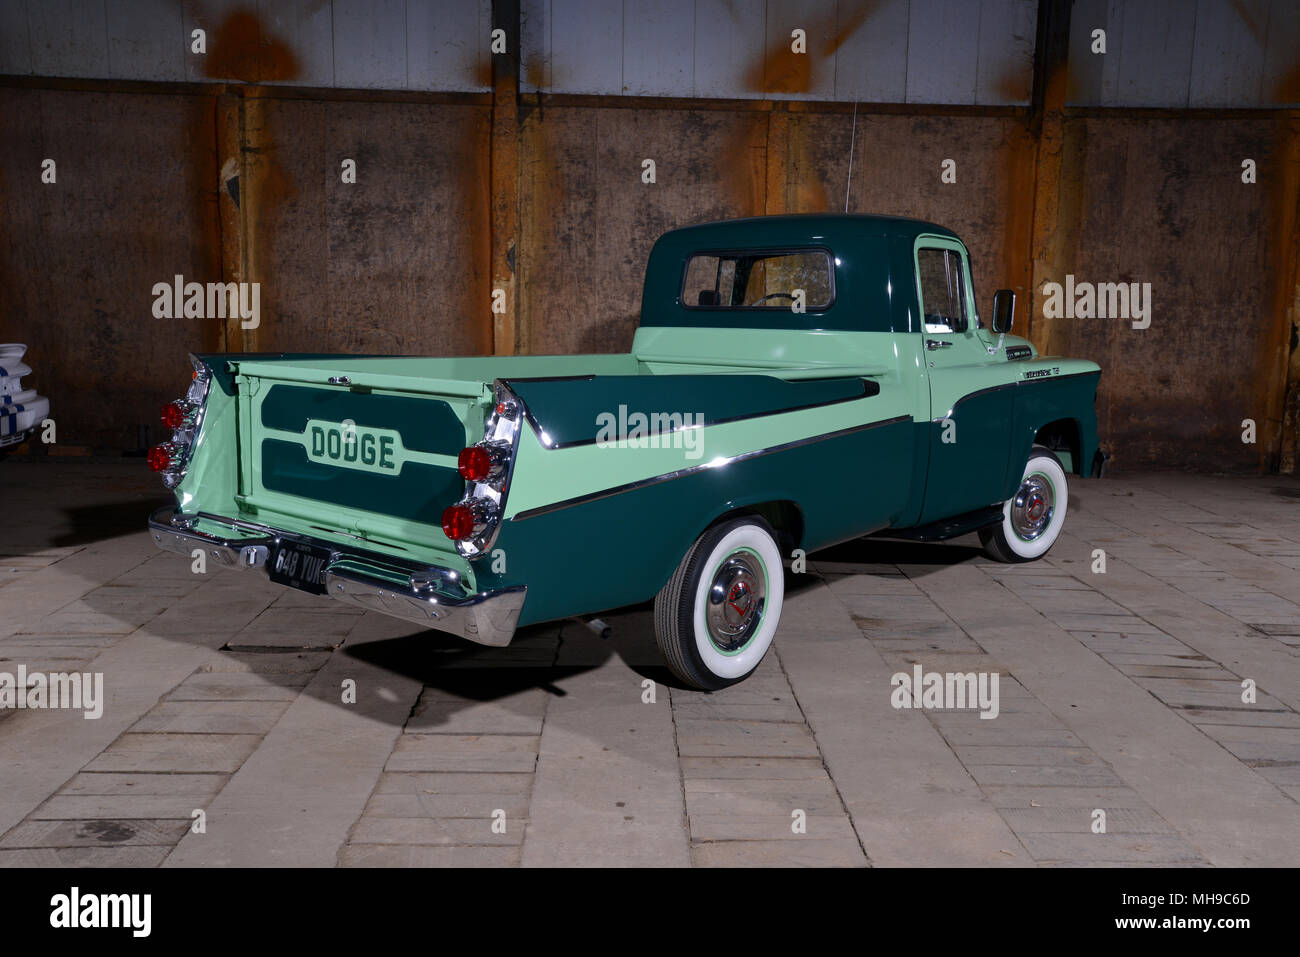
<point>1063,435</point>
<point>784,515</point>
<point>1058,412</point>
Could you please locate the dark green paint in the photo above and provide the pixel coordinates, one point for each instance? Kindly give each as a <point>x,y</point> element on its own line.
<point>426,424</point>
<point>986,463</point>
<point>567,409</point>
<point>597,555</point>
<point>970,472</point>
<point>418,493</point>
<point>1043,401</point>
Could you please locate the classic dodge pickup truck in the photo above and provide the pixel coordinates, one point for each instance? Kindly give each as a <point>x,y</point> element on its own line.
<point>795,382</point>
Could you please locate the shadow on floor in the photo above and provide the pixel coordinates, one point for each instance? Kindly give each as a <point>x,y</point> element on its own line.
<point>469,671</point>
<point>540,656</point>
<point>888,551</point>
<point>478,673</point>
<point>87,524</point>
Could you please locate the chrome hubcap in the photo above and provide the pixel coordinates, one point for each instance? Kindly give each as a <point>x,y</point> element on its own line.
<point>1033,507</point>
<point>736,599</point>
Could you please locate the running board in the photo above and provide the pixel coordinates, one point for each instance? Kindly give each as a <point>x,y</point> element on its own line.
<point>948,527</point>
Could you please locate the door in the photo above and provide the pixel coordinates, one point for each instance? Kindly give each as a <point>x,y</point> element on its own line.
<point>971,397</point>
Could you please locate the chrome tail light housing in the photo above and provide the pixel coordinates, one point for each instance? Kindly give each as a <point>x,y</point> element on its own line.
<point>184,417</point>
<point>473,522</point>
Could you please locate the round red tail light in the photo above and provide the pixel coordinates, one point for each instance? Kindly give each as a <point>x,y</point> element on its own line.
<point>474,463</point>
<point>159,458</point>
<point>458,522</point>
<point>174,414</point>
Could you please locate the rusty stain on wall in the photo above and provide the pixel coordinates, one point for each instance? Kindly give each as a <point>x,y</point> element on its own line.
<point>1014,82</point>
<point>1014,269</point>
<point>229,162</point>
<point>471,173</point>
<point>265,186</point>
<point>502,234</point>
<point>1255,16</point>
<point>805,192</point>
<point>239,49</point>
<point>201,176</point>
<point>781,70</point>
<point>741,159</point>
<point>540,198</point>
<point>1048,229</point>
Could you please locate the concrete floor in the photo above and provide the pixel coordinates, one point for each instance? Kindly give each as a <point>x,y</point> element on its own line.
<point>1120,692</point>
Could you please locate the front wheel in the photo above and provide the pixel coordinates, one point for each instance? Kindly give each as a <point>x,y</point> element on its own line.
<point>1033,517</point>
<point>716,617</point>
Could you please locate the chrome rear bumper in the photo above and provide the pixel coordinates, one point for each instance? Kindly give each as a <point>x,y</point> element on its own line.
<point>424,594</point>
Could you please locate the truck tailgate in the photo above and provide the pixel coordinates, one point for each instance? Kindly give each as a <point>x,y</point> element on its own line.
<point>355,452</point>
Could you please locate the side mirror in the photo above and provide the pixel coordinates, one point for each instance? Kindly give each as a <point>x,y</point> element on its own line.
<point>1004,310</point>
<point>707,297</point>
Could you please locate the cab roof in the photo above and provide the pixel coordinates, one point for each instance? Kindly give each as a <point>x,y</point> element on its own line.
<point>798,229</point>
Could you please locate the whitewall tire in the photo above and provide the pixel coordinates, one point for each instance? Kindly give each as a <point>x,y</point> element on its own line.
<point>1032,518</point>
<point>717,615</point>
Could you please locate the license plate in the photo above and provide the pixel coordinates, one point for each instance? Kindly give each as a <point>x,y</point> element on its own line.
<point>300,566</point>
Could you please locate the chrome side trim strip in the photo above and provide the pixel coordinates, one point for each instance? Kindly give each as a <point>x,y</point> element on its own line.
<point>716,463</point>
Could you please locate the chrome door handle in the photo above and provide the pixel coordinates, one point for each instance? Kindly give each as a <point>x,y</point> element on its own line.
<point>933,344</point>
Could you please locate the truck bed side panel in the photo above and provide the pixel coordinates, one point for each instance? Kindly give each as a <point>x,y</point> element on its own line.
<point>606,550</point>
<point>569,411</point>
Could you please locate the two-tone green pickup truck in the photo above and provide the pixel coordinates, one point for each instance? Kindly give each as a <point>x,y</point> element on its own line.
<point>796,381</point>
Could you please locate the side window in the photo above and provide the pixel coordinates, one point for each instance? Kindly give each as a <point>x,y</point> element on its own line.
<point>764,280</point>
<point>943,290</point>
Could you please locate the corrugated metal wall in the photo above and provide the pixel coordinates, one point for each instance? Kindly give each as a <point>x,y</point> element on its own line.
<point>897,51</point>
<point>1186,53</point>
<point>1159,53</point>
<point>341,44</point>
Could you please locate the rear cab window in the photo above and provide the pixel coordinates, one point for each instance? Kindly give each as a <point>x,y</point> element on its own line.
<point>759,279</point>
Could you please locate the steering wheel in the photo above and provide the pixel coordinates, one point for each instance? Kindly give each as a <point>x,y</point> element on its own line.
<point>771,295</point>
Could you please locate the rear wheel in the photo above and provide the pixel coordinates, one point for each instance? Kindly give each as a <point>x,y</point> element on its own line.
<point>716,617</point>
<point>1032,518</point>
